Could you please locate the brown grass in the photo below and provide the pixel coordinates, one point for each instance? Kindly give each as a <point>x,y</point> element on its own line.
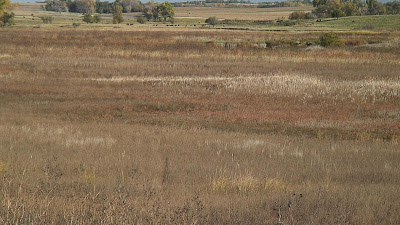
<point>161,127</point>
<point>237,13</point>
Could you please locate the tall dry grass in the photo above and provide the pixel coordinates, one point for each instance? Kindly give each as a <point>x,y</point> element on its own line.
<point>62,172</point>
<point>160,127</point>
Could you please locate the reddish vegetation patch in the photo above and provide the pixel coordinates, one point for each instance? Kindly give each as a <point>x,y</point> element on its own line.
<point>6,69</point>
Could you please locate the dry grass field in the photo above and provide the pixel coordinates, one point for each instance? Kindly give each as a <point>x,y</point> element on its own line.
<point>26,9</point>
<point>238,13</point>
<point>110,124</point>
<point>157,126</point>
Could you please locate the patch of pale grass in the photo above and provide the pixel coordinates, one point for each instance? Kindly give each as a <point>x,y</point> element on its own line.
<point>89,141</point>
<point>248,183</point>
<point>241,184</point>
<point>64,135</point>
<point>277,186</point>
<point>307,87</point>
<point>285,84</point>
<point>324,59</point>
<point>163,80</point>
<point>3,167</point>
<point>246,144</point>
<point>5,56</point>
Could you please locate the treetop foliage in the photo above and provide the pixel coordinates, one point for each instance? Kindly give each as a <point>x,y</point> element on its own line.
<point>6,18</point>
<point>339,8</point>
<point>151,11</point>
<point>158,12</point>
<point>117,14</point>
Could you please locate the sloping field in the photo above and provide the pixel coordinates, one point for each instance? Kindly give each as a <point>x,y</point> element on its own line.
<point>238,13</point>
<point>170,127</point>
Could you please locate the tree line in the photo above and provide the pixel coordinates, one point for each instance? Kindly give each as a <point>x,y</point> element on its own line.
<point>339,8</point>
<point>294,3</point>
<point>150,10</point>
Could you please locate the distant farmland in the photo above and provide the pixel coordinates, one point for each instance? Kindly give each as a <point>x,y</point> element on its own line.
<point>238,13</point>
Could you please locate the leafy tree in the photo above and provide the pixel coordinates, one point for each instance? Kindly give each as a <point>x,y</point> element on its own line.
<point>71,5</point>
<point>360,6</point>
<point>87,18</point>
<point>117,14</point>
<point>103,7</point>
<point>317,3</point>
<point>131,6</point>
<point>350,9</point>
<point>158,12</point>
<point>212,20</point>
<point>155,13</point>
<point>90,18</point>
<point>338,8</point>
<point>4,4</point>
<point>392,7</point>
<point>148,13</point>
<point>166,10</point>
<point>56,5</point>
<point>322,11</point>
<point>148,10</point>
<point>141,19</point>
<point>330,9</point>
<point>375,7</point>
<point>337,13</point>
<point>6,18</point>
<point>96,19</point>
<point>85,6</point>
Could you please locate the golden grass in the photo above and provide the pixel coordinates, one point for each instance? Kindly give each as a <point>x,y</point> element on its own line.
<point>158,126</point>
<point>284,85</point>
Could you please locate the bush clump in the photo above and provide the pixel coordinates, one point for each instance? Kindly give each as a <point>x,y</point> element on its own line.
<point>330,39</point>
<point>212,20</point>
<point>311,16</point>
<point>141,19</point>
<point>7,19</point>
<point>47,19</point>
<point>117,14</point>
<point>297,16</point>
<point>90,18</point>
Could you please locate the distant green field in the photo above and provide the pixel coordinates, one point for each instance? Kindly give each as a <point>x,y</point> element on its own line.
<point>366,22</point>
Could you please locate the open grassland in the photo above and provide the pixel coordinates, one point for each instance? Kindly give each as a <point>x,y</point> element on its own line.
<point>238,13</point>
<point>157,126</point>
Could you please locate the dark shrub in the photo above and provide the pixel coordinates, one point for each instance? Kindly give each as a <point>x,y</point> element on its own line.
<point>330,39</point>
